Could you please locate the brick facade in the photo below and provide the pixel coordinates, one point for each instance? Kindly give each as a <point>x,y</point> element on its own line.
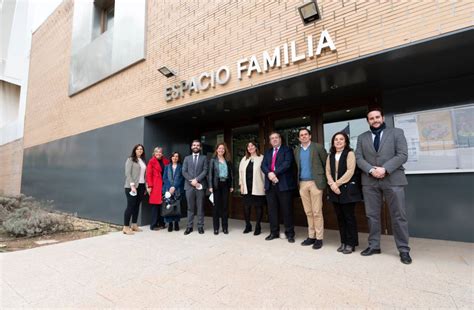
<point>11,162</point>
<point>196,36</point>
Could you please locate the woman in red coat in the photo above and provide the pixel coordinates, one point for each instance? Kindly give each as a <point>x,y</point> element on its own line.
<point>154,180</point>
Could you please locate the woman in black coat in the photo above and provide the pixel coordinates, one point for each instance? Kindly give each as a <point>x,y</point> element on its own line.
<point>344,181</point>
<point>220,180</point>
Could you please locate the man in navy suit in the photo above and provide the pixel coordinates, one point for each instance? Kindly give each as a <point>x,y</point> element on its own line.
<point>278,167</point>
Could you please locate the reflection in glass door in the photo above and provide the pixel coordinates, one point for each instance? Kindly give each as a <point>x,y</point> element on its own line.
<point>209,141</point>
<point>353,128</point>
<point>289,127</point>
<point>351,121</point>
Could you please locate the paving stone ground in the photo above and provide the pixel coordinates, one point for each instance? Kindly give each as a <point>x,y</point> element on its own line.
<point>169,270</point>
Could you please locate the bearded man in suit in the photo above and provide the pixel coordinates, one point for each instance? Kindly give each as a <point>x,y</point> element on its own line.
<point>380,154</point>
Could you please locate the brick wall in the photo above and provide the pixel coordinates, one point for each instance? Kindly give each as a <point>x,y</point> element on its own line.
<point>11,162</point>
<point>193,36</point>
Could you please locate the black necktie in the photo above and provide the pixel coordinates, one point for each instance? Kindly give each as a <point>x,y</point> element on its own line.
<point>377,132</point>
<point>195,162</point>
<point>377,141</point>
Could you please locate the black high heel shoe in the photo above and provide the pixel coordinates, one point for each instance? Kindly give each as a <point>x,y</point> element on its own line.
<point>258,230</point>
<point>348,249</point>
<point>341,247</point>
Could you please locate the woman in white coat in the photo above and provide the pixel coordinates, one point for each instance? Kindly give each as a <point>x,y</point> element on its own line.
<point>252,186</point>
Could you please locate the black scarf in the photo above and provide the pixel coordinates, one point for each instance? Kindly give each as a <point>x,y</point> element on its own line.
<point>377,131</point>
<point>162,165</point>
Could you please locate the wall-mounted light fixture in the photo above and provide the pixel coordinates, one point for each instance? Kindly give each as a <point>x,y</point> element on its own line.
<point>167,72</point>
<point>309,12</point>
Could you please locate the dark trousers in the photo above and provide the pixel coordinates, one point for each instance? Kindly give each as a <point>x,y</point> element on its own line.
<point>280,200</point>
<point>221,206</point>
<point>133,205</point>
<point>395,199</point>
<point>258,211</point>
<point>155,215</point>
<point>195,200</point>
<point>347,223</point>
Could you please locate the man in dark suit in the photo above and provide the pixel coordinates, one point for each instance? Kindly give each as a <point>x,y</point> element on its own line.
<point>195,167</point>
<point>278,167</point>
<point>381,153</point>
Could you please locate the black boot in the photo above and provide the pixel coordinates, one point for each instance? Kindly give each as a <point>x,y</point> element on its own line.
<point>176,226</point>
<point>258,230</point>
<point>248,228</point>
<point>170,227</point>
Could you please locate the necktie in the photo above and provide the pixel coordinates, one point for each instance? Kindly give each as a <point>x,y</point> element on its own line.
<point>195,162</point>
<point>377,141</point>
<point>274,157</point>
<point>377,132</point>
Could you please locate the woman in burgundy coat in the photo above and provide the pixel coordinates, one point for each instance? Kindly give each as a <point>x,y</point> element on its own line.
<point>154,180</point>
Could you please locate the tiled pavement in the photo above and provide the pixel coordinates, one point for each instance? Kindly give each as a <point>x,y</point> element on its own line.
<point>169,270</point>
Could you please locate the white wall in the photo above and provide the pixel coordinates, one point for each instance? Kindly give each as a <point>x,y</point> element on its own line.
<point>19,19</point>
<point>9,112</point>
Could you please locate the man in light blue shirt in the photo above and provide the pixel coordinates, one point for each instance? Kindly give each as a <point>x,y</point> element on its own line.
<point>311,161</point>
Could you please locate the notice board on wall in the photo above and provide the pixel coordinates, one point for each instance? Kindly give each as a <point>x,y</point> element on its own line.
<point>440,140</point>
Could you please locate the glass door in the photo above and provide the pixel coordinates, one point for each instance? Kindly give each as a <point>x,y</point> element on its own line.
<point>289,127</point>
<point>209,141</point>
<point>353,128</point>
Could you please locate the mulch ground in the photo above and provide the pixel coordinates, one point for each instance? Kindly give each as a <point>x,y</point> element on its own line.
<point>82,229</point>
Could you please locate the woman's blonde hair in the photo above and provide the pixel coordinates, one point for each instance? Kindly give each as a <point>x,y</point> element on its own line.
<point>156,149</point>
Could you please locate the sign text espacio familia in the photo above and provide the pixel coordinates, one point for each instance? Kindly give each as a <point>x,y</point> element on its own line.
<point>285,54</point>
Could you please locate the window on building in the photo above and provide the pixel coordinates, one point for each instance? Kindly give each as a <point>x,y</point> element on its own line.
<point>108,19</point>
<point>106,13</point>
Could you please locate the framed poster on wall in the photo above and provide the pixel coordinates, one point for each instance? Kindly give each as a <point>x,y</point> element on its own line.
<point>440,140</point>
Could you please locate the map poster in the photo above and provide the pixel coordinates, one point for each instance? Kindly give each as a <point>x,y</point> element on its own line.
<point>436,131</point>
<point>464,125</point>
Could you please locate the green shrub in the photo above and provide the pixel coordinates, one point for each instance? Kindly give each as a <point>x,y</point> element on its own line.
<point>10,203</point>
<point>31,218</point>
<point>7,205</point>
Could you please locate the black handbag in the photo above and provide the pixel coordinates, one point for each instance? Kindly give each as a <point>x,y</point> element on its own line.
<point>171,206</point>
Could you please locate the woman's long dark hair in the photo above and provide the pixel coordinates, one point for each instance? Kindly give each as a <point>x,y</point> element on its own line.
<point>134,155</point>
<point>179,157</point>
<point>346,138</point>
<point>247,154</point>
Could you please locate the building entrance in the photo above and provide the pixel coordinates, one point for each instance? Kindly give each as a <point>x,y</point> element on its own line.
<point>322,120</point>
